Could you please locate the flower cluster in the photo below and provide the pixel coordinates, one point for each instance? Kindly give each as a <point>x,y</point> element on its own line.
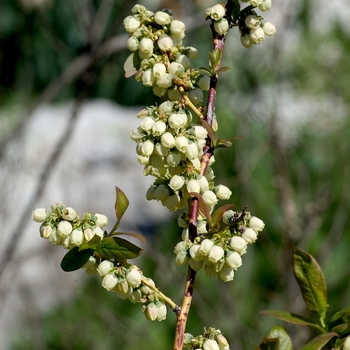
<point>62,225</point>
<point>212,339</point>
<point>164,64</point>
<point>128,282</point>
<point>217,14</point>
<point>219,252</point>
<point>170,149</point>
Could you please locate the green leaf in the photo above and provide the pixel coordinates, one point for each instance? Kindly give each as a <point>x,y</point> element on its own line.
<point>118,248</point>
<point>204,70</point>
<point>223,144</point>
<point>94,244</point>
<point>132,65</point>
<point>319,342</point>
<point>311,282</point>
<point>223,69</point>
<point>292,318</point>
<point>268,344</point>
<point>218,213</point>
<point>340,317</point>
<point>214,58</point>
<point>75,259</point>
<point>284,342</point>
<point>121,204</point>
<point>203,208</point>
<point>132,234</point>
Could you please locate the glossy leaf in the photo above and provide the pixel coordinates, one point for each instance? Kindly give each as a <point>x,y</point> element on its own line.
<point>118,248</point>
<point>292,318</point>
<point>284,342</point>
<point>268,344</point>
<point>319,342</point>
<point>311,282</point>
<point>131,234</point>
<point>75,259</point>
<point>94,243</point>
<point>121,204</point>
<point>218,213</point>
<point>203,208</point>
<point>340,317</point>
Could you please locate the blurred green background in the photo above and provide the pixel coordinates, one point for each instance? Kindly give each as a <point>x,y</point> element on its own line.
<point>289,99</point>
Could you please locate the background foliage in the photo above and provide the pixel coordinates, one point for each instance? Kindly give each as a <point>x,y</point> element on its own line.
<point>289,100</point>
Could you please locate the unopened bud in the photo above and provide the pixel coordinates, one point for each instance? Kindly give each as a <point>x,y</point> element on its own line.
<point>39,215</point>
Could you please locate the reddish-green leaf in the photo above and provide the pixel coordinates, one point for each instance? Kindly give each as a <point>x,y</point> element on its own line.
<point>292,318</point>
<point>203,208</point>
<point>75,259</point>
<point>311,282</point>
<point>118,248</point>
<point>218,213</point>
<point>284,342</point>
<point>131,234</point>
<point>121,204</point>
<point>209,129</point>
<point>319,342</point>
<point>223,144</point>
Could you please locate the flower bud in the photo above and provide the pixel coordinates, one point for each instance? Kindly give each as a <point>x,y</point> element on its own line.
<point>137,134</point>
<point>133,44</point>
<point>246,41</point>
<point>109,281</point>
<point>196,96</point>
<point>215,254</point>
<point>226,274</point>
<point>202,227</point>
<point>160,150</point>
<point>191,151</point>
<point>165,43</point>
<point>256,224</point>
<point>203,82</point>
<point>193,186</point>
<point>181,143</point>
<point>209,198</point>
<point>222,192</point>
<point>203,183</point>
<point>216,12</point>
<point>256,2</point>
<point>147,148</point>
<point>185,61</point>
<point>77,237</point>
<point>158,128</point>
<point>158,91</point>
<point>161,192</point>
<point>177,120</point>
<point>98,231</point>
<point>199,132</point>
<point>173,159</point>
<point>148,77</point>
<point>138,9</point>
<point>185,234</point>
<point>161,311</point>
<point>249,235</point>
<point>146,46</point>
<point>181,258</point>
<point>104,267</point>
<point>90,263</point>
<point>269,29</point>
<point>222,26</point>
<point>234,260</point>
<point>147,123</point>
<point>175,67</point>
<point>193,251</point>
<point>39,215</point>
<point>131,24</point>
<point>195,265</point>
<point>54,238</point>
<point>159,69</point>
<point>238,244</point>
<point>257,35</point>
<point>133,278</point>
<point>162,18</point>
<point>102,220</point>
<point>265,5</point>
<point>210,344</point>
<point>45,231</point>
<point>173,202</point>
<point>88,234</point>
<point>252,21</point>
<point>177,29</point>
<point>166,107</point>
<point>205,247</point>
<point>64,228</point>
<point>176,182</point>
<point>151,312</point>
<point>136,296</point>
<point>223,343</point>
<point>346,345</point>
<point>210,270</point>
<point>165,81</point>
